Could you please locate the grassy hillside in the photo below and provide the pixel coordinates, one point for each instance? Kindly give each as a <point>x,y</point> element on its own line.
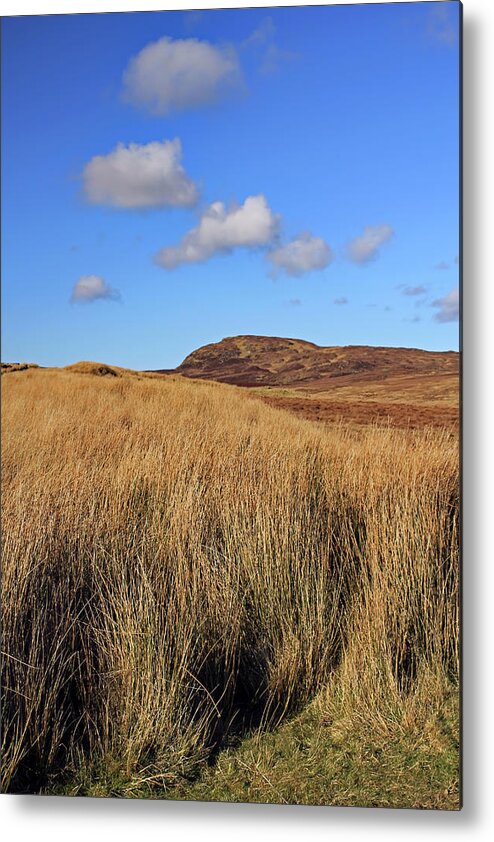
<point>183,566</point>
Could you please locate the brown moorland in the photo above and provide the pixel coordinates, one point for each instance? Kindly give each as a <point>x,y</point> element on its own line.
<point>403,387</point>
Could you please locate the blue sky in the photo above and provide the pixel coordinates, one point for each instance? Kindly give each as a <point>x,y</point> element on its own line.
<point>173,178</point>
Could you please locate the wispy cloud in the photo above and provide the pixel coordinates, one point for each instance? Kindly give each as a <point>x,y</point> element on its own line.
<point>91,288</point>
<point>295,302</point>
<point>442,266</point>
<point>261,34</point>
<point>448,308</point>
<point>365,248</point>
<point>169,75</point>
<point>135,176</point>
<point>302,254</point>
<point>442,23</point>
<point>274,58</point>
<point>221,230</point>
<point>341,301</point>
<point>420,290</point>
<point>271,55</point>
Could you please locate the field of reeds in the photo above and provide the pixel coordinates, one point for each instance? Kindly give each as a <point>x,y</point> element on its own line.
<point>184,566</point>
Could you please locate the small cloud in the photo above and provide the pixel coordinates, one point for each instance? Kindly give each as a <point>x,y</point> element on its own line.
<point>365,248</point>
<point>170,75</point>
<point>340,301</point>
<point>92,287</point>
<point>222,229</point>
<point>442,23</point>
<point>442,266</point>
<point>414,290</point>
<point>302,254</point>
<point>135,176</point>
<point>448,308</point>
<point>295,302</point>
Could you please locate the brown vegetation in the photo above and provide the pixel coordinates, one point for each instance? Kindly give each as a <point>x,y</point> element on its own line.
<point>180,563</point>
<point>407,416</point>
<point>294,363</point>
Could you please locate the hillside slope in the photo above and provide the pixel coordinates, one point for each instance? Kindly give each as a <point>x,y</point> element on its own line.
<point>294,363</point>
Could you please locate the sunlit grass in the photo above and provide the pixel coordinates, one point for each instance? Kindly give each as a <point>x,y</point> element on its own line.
<point>181,565</point>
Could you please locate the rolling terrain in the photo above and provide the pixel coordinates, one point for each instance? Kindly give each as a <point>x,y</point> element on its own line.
<point>405,387</point>
<point>356,385</point>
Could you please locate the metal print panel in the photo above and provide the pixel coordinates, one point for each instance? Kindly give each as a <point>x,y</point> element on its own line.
<point>231,272</point>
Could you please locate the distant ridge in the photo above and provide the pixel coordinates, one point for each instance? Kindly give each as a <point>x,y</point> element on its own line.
<point>296,363</point>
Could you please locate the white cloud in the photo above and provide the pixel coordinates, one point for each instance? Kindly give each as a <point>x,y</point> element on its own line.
<point>135,176</point>
<point>170,75</point>
<point>302,254</point>
<point>366,247</point>
<point>448,308</point>
<point>221,229</point>
<point>91,287</point>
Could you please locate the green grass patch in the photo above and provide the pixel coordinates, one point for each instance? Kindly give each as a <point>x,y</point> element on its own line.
<point>320,757</point>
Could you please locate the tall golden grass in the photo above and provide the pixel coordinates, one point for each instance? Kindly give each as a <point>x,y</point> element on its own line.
<point>180,561</point>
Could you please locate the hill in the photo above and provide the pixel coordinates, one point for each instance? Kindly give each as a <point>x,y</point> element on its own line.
<point>295,363</point>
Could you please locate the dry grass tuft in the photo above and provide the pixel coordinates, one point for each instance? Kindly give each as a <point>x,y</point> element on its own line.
<point>99,369</point>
